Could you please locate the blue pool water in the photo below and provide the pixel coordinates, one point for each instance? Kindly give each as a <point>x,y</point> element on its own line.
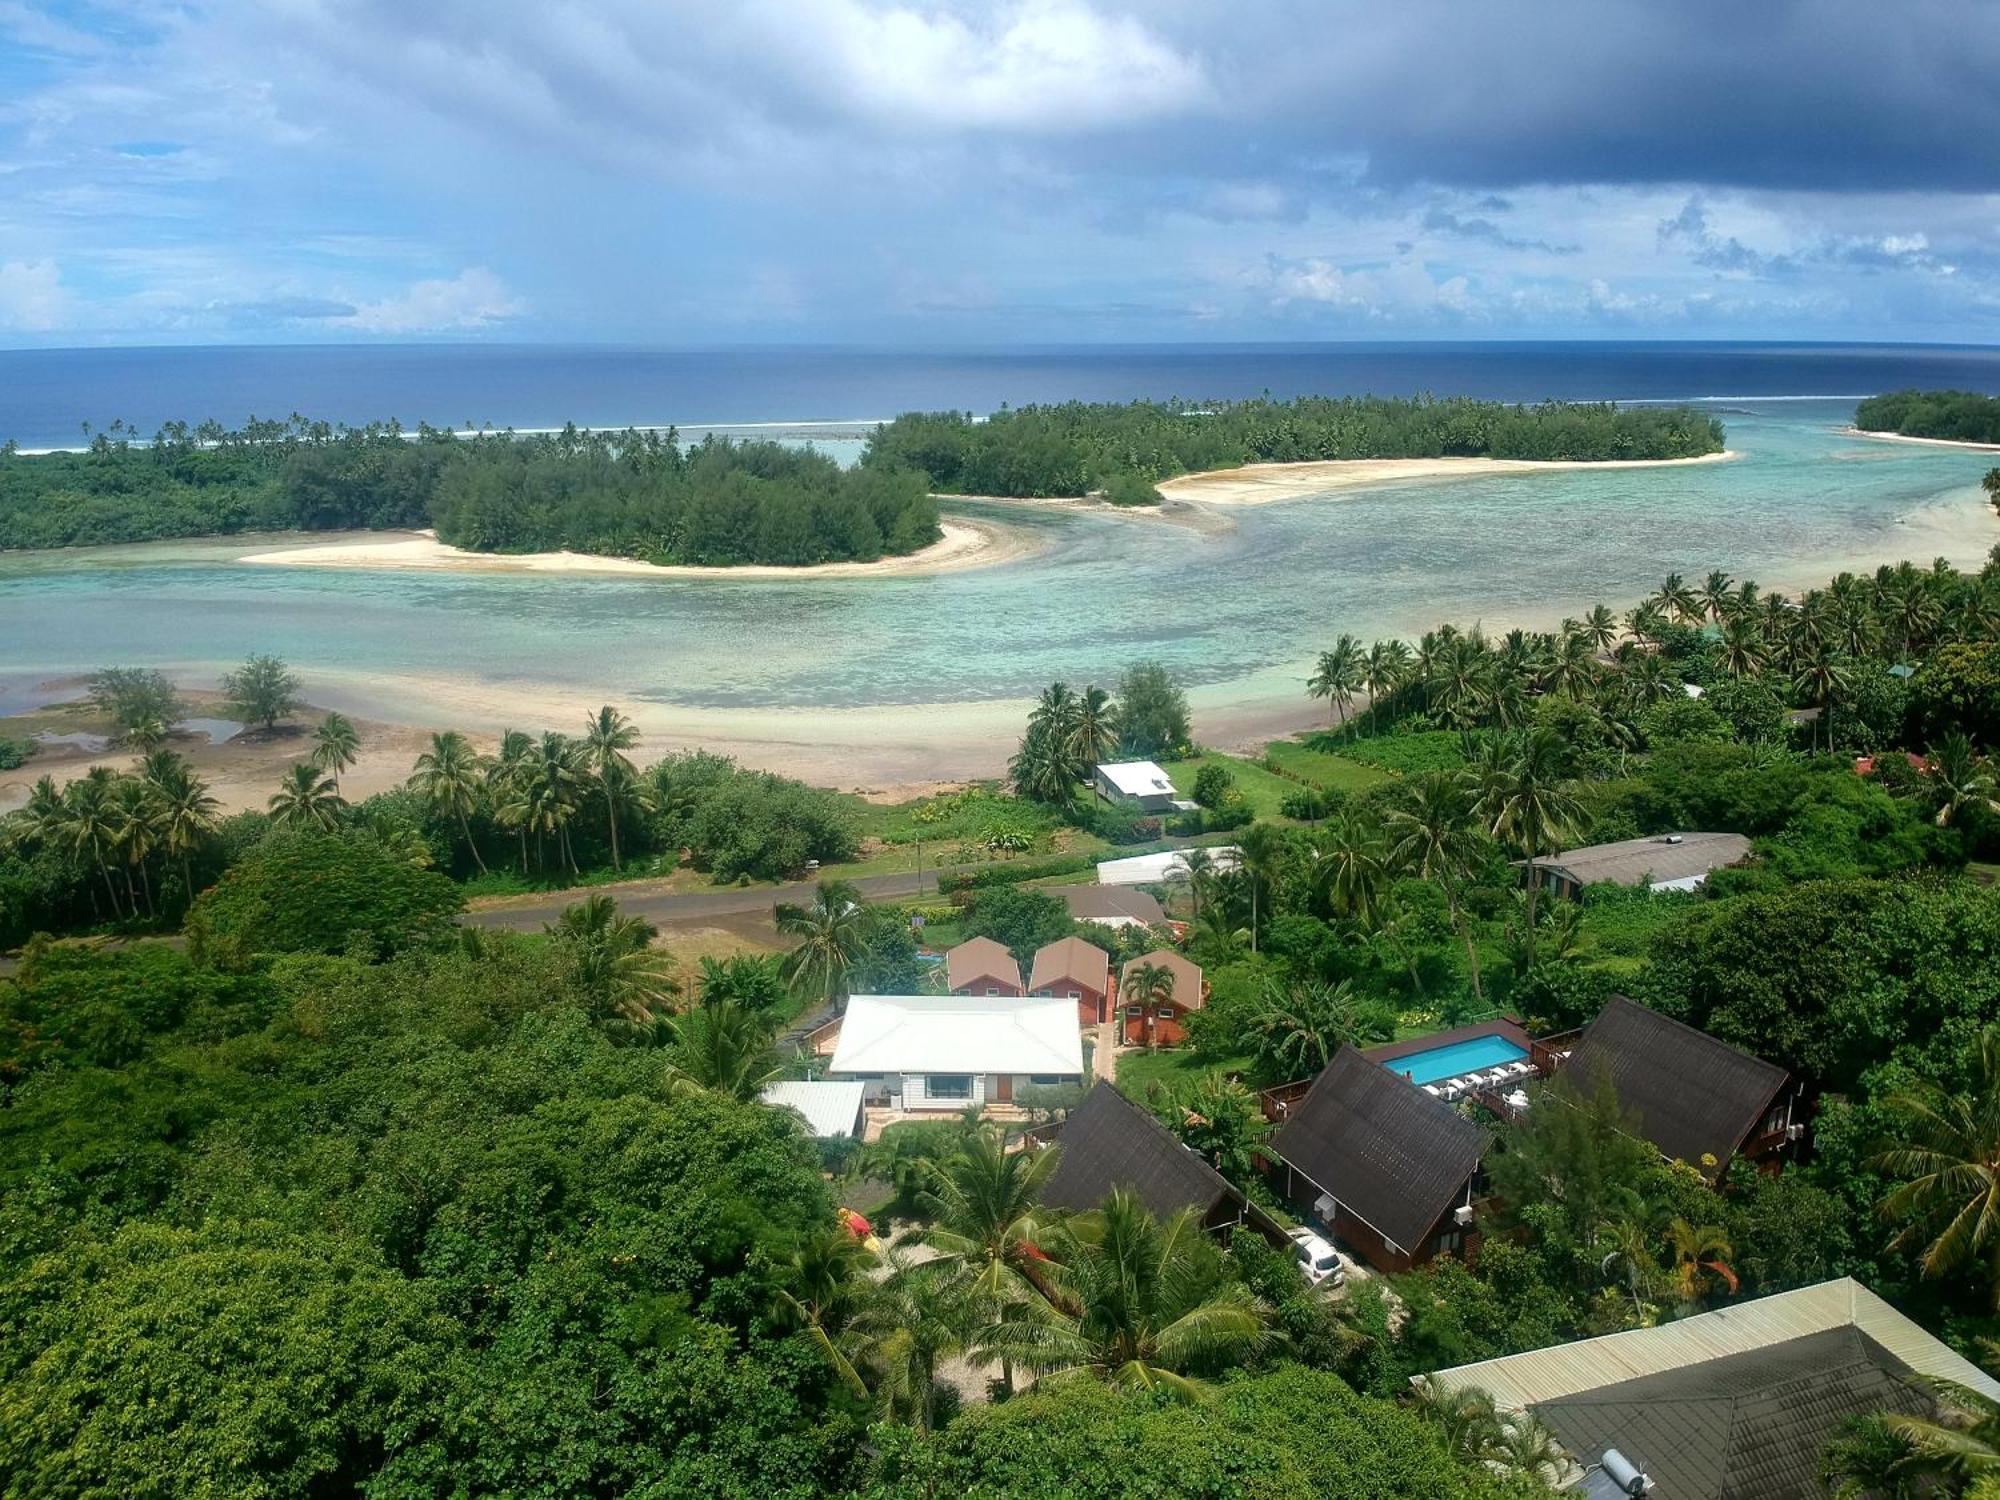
<point>1472,1055</point>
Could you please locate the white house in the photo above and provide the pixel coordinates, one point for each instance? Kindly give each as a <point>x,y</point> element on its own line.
<point>831,1110</point>
<point>948,1052</point>
<point>1138,784</point>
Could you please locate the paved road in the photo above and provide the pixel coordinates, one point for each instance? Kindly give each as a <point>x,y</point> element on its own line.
<point>636,899</point>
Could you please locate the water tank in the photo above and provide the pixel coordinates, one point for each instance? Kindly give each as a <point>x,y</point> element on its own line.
<point>1628,1476</point>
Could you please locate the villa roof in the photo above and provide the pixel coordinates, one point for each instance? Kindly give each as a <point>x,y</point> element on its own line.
<point>1138,778</point>
<point>958,1034</point>
<point>1692,1094</point>
<point>1161,869</point>
<point>980,958</point>
<point>1733,1404</point>
<point>1074,961</point>
<point>1660,858</point>
<point>1109,903</point>
<point>1380,1145</point>
<point>1186,972</point>
<point>1108,1141</point>
<point>830,1108</point>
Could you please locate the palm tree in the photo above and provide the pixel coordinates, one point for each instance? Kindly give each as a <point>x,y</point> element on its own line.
<point>1043,770</point>
<point>1950,1154</point>
<point>1867,1461</point>
<point>1823,677</point>
<point>1528,1449</point>
<point>136,833</point>
<point>1629,1256</point>
<point>1466,1417</point>
<point>1744,651</point>
<point>90,824</point>
<point>822,1284</point>
<point>503,776</point>
<point>449,778</point>
<point>187,812</point>
<point>1196,866</point>
<point>42,821</point>
<point>1260,853</point>
<point>1301,1028</point>
<point>1150,986</point>
<point>335,744</point>
<point>1675,598</point>
<point>1961,1444</point>
<point>606,738</point>
<point>833,932</point>
<point>724,1049</point>
<point>1960,779</point>
<point>1600,627</point>
<point>613,960</point>
<point>1699,1260</point>
<point>921,1317</point>
<point>147,735</point>
<point>1646,623</point>
<point>1142,1304</point>
<point>545,788</point>
<point>1338,675</point>
<point>1433,836</point>
<point>1716,596</point>
<point>306,799</point>
<point>1093,735</point>
<point>1349,862</point>
<point>1533,806</point>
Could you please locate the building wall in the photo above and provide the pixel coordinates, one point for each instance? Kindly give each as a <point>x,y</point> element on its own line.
<point>986,1089</point>
<point>1089,1003</point>
<point>1169,1028</point>
<point>988,985</point>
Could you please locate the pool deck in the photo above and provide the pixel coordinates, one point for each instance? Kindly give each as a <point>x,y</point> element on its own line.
<point>1501,1026</point>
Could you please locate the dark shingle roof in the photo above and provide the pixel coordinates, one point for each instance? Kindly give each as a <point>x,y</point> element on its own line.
<point>1382,1146</point>
<point>1108,1141</point>
<point>1693,1095</point>
<point>1745,1427</point>
<point>1089,903</point>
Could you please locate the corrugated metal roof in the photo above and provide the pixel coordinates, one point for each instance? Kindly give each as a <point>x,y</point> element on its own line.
<point>1157,869</point>
<point>831,1107</point>
<point>1138,778</point>
<point>959,1034</point>
<point>1522,1380</point>
<point>1664,857</point>
<point>980,958</point>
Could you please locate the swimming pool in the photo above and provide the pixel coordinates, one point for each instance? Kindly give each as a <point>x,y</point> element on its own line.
<point>1472,1055</point>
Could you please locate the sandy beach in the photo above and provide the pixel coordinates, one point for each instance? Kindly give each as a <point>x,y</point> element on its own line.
<point>1897,437</point>
<point>965,544</point>
<point>1262,484</point>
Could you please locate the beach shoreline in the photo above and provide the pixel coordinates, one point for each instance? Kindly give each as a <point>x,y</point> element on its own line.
<point>1265,484</point>
<point>965,543</point>
<point>1899,437</point>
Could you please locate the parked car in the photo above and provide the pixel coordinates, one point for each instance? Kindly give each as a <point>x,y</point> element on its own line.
<point>1318,1260</point>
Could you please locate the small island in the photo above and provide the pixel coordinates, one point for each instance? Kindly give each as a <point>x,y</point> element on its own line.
<point>1960,417</point>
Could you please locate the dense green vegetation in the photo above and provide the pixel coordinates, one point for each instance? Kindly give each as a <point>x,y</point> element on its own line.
<point>1079,448</point>
<point>628,494</point>
<point>1960,416</point>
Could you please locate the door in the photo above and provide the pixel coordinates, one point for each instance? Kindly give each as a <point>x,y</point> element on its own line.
<point>1003,1088</point>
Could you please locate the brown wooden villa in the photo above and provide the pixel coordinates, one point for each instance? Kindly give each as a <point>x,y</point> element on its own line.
<point>1163,1023</point>
<point>980,966</point>
<point>1073,969</point>
<point>1109,1142</point>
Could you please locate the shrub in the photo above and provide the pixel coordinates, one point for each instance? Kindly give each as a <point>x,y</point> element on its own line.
<point>1213,785</point>
<point>1130,489</point>
<point>14,753</point>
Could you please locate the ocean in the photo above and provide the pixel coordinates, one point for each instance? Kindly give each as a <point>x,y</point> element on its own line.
<point>47,395</point>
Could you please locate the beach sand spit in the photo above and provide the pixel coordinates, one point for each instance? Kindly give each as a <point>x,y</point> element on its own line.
<point>1897,437</point>
<point>1261,484</point>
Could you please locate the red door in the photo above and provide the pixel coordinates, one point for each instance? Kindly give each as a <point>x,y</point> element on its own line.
<point>1003,1088</point>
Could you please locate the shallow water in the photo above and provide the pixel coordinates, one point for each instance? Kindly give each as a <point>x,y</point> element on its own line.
<point>1252,603</point>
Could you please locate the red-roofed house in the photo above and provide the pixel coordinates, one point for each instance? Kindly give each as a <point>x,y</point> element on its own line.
<point>1077,971</point>
<point>980,966</point>
<point>1162,1021</point>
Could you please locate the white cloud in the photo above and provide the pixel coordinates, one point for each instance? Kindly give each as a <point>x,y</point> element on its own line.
<point>32,296</point>
<point>475,298</point>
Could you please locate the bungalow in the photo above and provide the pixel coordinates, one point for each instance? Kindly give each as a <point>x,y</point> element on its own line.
<point>1109,1142</point>
<point>1074,970</point>
<point>1734,1404</point>
<point>980,966</point>
<point>831,1110</point>
<point>1139,785</point>
<point>1381,1163</point>
<point>1110,905</point>
<point>1697,1099</point>
<point>951,1052</point>
<point>1668,862</point>
<point>1163,1022</point>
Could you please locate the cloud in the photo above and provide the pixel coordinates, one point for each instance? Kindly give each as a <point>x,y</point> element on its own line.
<point>1690,228</point>
<point>1442,221</point>
<point>32,296</point>
<point>1403,291</point>
<point>475,298</point>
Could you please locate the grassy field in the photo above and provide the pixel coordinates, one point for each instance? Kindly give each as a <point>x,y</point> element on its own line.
<point>1262,791</point>
<point>1175,1069</point>
<point>1334,773</point>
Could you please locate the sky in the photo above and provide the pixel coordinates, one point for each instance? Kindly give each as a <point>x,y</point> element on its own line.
<point>706,172</point>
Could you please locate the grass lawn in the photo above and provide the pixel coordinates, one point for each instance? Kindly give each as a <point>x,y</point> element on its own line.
<point>1175,1068</point>
<point>1334,773</point>
<point>1261,790</point>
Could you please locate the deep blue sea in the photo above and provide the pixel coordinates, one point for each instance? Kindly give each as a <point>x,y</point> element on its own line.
<point>47,395</point>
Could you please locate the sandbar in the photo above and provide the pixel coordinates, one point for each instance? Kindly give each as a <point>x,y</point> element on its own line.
<point>1261,484</point>
<point>1900,437</point>
<point>965,543</point>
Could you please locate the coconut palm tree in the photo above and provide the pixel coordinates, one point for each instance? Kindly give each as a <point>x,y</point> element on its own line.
<point>1260,857</point>
<point>1700,1254</point>
<point>724,1049</point>
<point>1646,623</point>
<point>1744,650</point>
<point>922,1316</point>
<point>1141,1303</point>
<point>1042,770</point>
<point>613,960</point>
<point>1337,676</point>
<point>1960,779</point>
<point>135,835</point>
<point>1466,1418</point>
<point>41,822</point>
<point>1948,1151</point>
<point>306,799</point>
<point>1433,835</point>
<point>1678,600</point>
<point>1824,678</point>
<point>147,735</point>
<point>1093,736</point>
<point>1960,1445</point>
<point>545,787</point>
<point>90,824</point>
<point>1299,1028</point>
<point>1716,595</point>
<point>1150,986</point>
<point>450,779</point>
<point>1532,806</point>
<point>606,738</point>
<point>503,777</point>
<point>1349,862</point>
<point>1528,1449</point>
<point>823,1286</point>
<point>832,932</point>
<point>335,744</point>
<point>1600,627</point>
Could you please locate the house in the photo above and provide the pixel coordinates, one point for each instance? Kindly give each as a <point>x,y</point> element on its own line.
<point>1167,1025</point>
<point>980,966</point>
<point>950,1052</point>
<point>1139,785</point>
<point>1110,905</point>
<point>1697,1099</point>
<point>1163,869</point>
<point>1667,861</point>
<point>1109,1142</point>
<point>831,1109</point>
<point>1074,970</point>
<point>1381,1163</point>
<point>1734,1404</point>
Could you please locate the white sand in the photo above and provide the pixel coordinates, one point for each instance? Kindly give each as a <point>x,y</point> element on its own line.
<point>1260,484</point>
<point>1897,437</point>
<point>965,544</point>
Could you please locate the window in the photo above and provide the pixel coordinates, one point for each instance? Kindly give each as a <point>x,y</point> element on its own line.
<point>1135,1011</point>
<point>1046,1079</point>
<point>1069,994</point>
<point>992,989</point>
<point>948,1086</point>
<point>1165,1013</point>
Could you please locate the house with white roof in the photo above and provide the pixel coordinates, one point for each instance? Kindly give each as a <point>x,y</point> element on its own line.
<point>1139,785</point>
<point>1163,868</point>
<point>952,1052</point>
<point>831,1110</point>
